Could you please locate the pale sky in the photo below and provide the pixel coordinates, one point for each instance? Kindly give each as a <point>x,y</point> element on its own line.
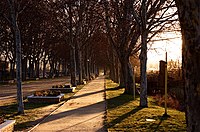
<point>158,48</point>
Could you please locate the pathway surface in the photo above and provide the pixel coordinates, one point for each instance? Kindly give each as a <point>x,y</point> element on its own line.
<point>85,112</point>
<point>8,92</point>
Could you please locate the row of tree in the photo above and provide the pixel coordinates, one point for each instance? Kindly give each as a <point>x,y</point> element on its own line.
<point>50,31</point>
<point>58,32</point>
<point>87,33</point>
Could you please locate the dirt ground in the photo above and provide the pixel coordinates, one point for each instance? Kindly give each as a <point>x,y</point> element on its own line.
<point>8,91</point>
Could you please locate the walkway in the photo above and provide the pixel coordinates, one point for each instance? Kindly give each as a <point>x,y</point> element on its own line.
<point>85,112</point>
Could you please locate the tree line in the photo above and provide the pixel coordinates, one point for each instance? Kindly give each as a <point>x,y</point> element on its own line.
<point>88,34</point>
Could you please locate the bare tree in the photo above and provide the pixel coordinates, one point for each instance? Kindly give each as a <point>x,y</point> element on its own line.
<point>123,34</point>
<point>152,17</point>
<point>126,21</point>
<point>11,17</point>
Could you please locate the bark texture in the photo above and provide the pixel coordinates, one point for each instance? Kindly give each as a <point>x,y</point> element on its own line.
<point>73,66</point>
<point>189,15</point>
<point>143,58</point>
<point>18,57</point>
<point>127,75</point>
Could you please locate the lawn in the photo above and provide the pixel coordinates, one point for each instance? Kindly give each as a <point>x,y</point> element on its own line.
<point>34,112</point>
<point>124,114</point>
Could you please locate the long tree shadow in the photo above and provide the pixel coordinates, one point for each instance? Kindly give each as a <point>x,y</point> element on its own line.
<point>87,94</point>
<point>11,109</point>
<point>89,109</point>
<point>98,108</point>
<point>155,127</point>
<point>118,100</point>
<point>115,88</point>
<point>121,118</point>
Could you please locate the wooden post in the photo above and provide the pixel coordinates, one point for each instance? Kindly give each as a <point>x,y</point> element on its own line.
<point>165,114</point>
<point>134,87</point>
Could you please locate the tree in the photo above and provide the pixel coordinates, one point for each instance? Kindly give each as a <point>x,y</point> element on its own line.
<point>143,55</point>
<point>188,11</point>
<point>152,17</point>
<point>123,34</point>
<point>126,22</point>
<point>12,20</point>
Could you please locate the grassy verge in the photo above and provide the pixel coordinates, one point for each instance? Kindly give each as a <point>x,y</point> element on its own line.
<point>123,114</point>
<point>34,112</point>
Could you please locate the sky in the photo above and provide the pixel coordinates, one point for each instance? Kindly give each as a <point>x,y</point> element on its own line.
<point>157,50</point>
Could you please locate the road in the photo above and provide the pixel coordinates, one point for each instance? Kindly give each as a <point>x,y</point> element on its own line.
<point>8,92</point>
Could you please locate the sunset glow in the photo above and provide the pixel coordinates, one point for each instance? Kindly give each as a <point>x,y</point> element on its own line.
<point>158,49</point>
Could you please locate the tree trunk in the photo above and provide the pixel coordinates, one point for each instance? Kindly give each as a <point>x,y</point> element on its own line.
<point>12,71</point>
<point>37,69</point>
<point>44,68</point>
<point>190,22</point>
<point>59,65</point>
<point>89,69</point>
<point>127,74</point>
<point>121,80</point>
<point>117,70</point>
<point>87,66</point>
<point>73,66</point>
<point>51,63</point>
<point>24,68</point>
<point>143,77</point>
<point>18,58</point>
<point>143,59</point>
<point>31,69</point>
<point>112,71</point>
<point>83,69</point>
<point>80,67</point>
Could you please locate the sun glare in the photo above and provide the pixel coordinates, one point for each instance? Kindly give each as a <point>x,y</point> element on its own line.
<point>157,50</point>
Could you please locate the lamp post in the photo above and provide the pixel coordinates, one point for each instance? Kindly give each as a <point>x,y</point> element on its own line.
<point>134,86</point>
<point>88,70</point>
<point>165,114</point>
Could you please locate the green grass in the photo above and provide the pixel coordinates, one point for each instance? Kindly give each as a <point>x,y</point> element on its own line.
<point>34,112</point>
<point>124,114</point>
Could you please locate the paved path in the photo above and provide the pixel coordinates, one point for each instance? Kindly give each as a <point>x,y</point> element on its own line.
<point>85,112</point>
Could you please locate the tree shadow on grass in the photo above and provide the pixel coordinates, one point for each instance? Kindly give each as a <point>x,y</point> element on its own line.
<point>121,118</point>
<point>11,109</point>
<point>115,88</point>
<point>156,127</point>
<point>118,100</point>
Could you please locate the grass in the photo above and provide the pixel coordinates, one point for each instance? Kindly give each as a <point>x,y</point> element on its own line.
<point>124,114</point>
<point>34,112</point>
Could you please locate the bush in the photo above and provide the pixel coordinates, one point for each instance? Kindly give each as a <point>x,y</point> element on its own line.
<point>1,119</point>
<point>47,93</point>
<point>172,101</point>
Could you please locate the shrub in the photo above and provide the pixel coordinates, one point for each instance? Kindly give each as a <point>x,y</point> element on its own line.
<point>47,93</point>
<point>172,102</point>
<point>1,119</point>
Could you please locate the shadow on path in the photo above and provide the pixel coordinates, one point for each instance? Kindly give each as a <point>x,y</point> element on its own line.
<point>87,94</point>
